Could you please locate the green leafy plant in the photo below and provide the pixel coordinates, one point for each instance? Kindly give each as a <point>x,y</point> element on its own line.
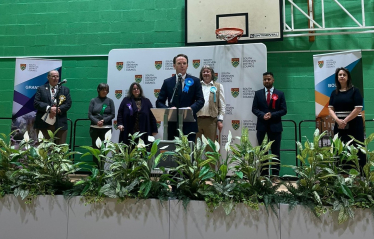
<point>249,162</point>
<point>329,177</point>
<point>6,167</point>
<point>190,175</point>
<point>42,168</point>
<point>90,186</point>
<point>363,185</point>
<point>128,174</point>
<point>318,174</point>
<point>221,190</point>
<point>218,187</point>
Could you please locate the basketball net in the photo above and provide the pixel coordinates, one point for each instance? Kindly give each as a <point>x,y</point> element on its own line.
<point>231,35</point>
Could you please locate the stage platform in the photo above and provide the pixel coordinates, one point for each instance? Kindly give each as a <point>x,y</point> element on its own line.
<point>54,217</point>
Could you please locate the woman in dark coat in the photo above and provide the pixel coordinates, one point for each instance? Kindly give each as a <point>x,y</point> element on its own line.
<point>135,115</point>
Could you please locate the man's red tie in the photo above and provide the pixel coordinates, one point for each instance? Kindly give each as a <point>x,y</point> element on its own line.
<point>268,97</point>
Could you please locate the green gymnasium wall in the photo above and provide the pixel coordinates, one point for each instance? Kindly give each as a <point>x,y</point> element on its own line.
<point>71,29</point>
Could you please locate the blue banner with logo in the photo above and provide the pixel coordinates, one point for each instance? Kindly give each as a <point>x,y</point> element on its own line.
<point>29,75</point>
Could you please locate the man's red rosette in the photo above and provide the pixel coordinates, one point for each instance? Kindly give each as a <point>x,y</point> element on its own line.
<point>274,97</point>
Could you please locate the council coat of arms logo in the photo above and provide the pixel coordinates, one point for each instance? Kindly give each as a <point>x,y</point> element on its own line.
<point>158,123</point>
<point>119,65</point>
<point>235,124</point>
<point>320,64</point>
<point>156,92</point>
<point>22,66</point>
<point>158,65</point>
<point>235,92</point>
<point>234,62</point>
<point>196,63</point>
<point>215,77</point>
<point>115,124</point>
<point>118,93</point>
<point>138,78</point>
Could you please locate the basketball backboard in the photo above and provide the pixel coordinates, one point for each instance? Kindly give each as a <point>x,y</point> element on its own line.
<point>260,20</point>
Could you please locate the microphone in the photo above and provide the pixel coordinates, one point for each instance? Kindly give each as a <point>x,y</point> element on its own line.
<point>180,76</point>
<point>62,82</point>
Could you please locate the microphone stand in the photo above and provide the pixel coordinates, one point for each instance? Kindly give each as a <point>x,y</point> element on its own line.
<point>57,99</point>
<point>176,94</point>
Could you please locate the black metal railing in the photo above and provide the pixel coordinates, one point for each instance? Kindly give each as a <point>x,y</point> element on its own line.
<point>75,131</point>
<point>69,120</point>
<point>300,123</point>
<point>71,132</point>
<point>295,137</point>
<point>366,131</point>
<point>291,150</point>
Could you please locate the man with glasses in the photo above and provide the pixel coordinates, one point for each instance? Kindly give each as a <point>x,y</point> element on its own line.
<point>52,103</point>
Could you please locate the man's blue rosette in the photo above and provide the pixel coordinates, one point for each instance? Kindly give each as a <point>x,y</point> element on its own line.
<point>187,83</point>
<point>213,89</point>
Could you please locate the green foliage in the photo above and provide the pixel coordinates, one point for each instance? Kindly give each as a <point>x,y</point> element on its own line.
<point>197,180</point>
<point>128,174</point>
<point>331,178</point>
<point>40,168</point>
<point>249,162</point>
<point>221,190</point>
<point>6,167</point>
<point>88,187</point>
<point>190,176</point>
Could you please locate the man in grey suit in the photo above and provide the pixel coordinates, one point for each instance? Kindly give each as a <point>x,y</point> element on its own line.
<point>53,99</point>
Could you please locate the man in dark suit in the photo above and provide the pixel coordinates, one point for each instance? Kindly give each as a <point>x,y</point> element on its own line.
<point>190,95</point>
<point>55,100</point>
<point>269,105</point>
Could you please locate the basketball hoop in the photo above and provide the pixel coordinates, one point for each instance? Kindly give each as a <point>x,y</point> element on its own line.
<point>231,35</point>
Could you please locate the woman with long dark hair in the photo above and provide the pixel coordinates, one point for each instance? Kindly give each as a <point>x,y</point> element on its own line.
<point>135,115</point>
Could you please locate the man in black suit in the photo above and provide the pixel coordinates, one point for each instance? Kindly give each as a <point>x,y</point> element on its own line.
<point>55,100</point>
<point>190,95</point>
<point>269,105</point>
